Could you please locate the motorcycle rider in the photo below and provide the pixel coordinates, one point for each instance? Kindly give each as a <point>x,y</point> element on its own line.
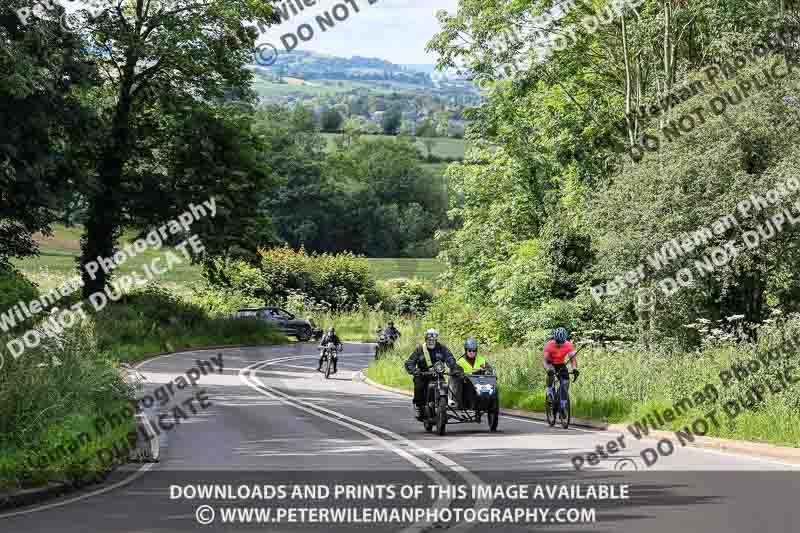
<point>556,352</point>
<point>391,331</point>
<point>417,363</point>
<point>329,338</point>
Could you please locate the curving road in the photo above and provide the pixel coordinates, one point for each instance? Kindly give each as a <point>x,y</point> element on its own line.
<point>274,421</point>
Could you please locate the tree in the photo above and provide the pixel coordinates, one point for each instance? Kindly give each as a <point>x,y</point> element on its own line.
<point>426,129</point>
<point>43,69</point>
<point>330,120</point>
<point>353,128</point>
<point>156,60</point>
<point>391,122</point>
<point>429,143</point>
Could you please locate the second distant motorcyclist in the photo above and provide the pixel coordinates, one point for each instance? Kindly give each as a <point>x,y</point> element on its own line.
<point>391,332</point>
<point>332,339</point>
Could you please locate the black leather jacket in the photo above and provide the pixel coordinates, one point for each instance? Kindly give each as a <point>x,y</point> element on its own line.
<point>418,360</point>
<point>333,340</point>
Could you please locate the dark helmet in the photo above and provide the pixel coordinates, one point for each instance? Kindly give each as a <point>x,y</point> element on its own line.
<point>331,330</point>
<point>471,345</point>
<point>390,324</point>
<point>560,335</point>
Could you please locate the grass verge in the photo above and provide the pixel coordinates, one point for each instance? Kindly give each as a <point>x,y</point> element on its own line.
<point>625,386</point>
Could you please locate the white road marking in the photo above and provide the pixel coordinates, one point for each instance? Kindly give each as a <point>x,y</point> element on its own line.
<point>349,421</point>
<point>421,465</point>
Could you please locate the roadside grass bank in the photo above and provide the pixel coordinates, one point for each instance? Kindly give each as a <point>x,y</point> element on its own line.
<point>49,396</point>
<point>53,393</point>
<point>623,385</point>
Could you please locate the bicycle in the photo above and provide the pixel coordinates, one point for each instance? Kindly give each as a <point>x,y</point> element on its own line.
<point>564,411</point>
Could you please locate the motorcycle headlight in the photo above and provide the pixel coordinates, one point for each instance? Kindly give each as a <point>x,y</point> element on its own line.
<point>438,367</point>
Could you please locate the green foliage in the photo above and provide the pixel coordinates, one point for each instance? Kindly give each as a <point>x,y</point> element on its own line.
<point>153,320</point>
<point>15,288</point>
<point>48,392</point>
<point>545,206</point>
<point>341,281</point>
<point>391,122</point>
<point>331,120</point>
<point>408,297</point>
<point>367,196</point>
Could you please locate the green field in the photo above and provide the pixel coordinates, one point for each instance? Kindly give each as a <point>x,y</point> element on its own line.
<point>322,87</point>
<point>405,268</point>
<point>56,262</point>
<point>444,147</point>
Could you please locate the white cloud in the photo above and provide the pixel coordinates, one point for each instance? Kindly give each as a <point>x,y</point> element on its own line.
<point>396,30</point>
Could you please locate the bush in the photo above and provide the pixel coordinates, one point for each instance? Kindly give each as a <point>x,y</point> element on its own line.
<point>222,301</point>
<point>14,288</point>
<point>407,297</point>
<point>342,281</point>
<point>153,320</point>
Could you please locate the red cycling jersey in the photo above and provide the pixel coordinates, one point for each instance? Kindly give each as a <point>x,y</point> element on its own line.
<point>555,354</point>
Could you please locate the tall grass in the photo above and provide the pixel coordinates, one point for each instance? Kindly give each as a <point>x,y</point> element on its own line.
<point>362,325</point>
<point>49,393</point>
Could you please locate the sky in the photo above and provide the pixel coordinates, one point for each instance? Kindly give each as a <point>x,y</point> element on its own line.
<point>395,30</point>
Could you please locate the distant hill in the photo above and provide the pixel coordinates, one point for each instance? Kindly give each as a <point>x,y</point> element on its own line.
<point>427,69</point>
<point>312,65</point>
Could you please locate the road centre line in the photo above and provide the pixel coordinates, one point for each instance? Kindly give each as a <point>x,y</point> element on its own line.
<point>349,422</point>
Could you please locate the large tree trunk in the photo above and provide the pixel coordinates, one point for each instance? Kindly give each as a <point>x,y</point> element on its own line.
<point>104,217</point>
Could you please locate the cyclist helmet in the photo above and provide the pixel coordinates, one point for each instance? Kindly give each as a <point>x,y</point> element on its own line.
<point>471,345</point>
<point>560,335</point>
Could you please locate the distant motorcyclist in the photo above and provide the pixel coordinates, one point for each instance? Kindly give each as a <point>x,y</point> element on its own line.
<point>330,338</point>
<point>391,332</point>
<point>418,363</point>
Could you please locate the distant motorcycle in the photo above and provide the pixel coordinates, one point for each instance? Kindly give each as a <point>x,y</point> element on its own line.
<point>385,343</point>
<point>329,355</point>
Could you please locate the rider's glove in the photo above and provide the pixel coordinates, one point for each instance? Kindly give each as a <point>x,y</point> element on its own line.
<point>575,375</point>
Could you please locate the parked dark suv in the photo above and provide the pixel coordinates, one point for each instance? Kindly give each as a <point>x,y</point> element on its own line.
<point>283,320</point>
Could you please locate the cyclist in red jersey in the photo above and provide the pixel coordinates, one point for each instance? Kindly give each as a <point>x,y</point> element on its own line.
<point>556,351</point>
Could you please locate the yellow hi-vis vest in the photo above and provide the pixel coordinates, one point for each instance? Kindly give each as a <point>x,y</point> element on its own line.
<point>463,362</point>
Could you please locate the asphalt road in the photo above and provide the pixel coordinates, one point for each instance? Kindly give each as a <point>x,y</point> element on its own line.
<point>274,421</point>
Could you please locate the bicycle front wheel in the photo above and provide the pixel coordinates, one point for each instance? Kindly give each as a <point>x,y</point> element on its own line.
<point>549,411</point>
